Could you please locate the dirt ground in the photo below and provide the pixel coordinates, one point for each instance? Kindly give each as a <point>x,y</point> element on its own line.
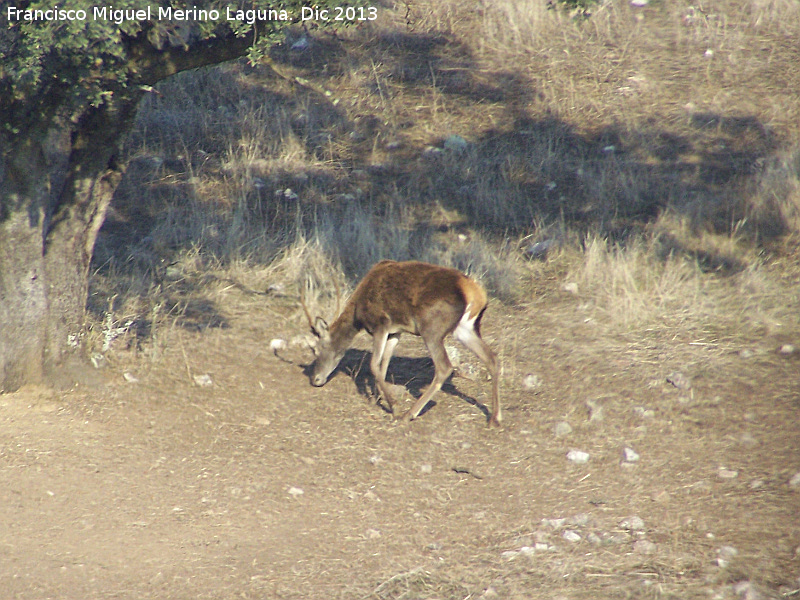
<point>261,486</point>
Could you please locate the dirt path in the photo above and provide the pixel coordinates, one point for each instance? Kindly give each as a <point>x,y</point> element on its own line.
<point>261,486</point>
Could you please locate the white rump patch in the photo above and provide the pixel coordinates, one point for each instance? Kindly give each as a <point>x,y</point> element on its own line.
<point>465,330</point>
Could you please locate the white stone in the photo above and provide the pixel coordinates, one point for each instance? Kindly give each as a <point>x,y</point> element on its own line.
<point>644,547</point>
<point>277,344</point>
<point>571,536</point>
<point>203,380</point>
<point>561,429</point>
<point>633,523</point>
<point>532,381</point>
<point>578,457</point>
<point>630,455</point>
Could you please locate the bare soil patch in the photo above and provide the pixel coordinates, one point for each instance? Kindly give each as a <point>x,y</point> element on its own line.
<point>260,486</point>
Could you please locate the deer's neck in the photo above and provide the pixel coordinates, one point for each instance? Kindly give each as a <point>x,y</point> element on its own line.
<point>344,328</point>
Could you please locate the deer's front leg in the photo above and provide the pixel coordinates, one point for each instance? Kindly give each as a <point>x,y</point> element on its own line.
<point>382,348</point>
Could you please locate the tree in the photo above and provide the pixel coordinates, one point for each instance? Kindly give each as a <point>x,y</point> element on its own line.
<point>71,76</point>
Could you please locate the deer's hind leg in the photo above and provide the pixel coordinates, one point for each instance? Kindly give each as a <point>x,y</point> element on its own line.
<point>470,336</point>
<point>435,345</point>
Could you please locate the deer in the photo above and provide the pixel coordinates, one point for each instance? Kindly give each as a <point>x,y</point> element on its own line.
<point>412,297</point>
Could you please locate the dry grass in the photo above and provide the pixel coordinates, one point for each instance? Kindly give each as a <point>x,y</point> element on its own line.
<point>655,148</point>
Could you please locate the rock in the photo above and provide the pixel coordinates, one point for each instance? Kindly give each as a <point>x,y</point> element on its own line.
<point>571,536</point>
<point>725,554</point>
<point>630,455</point>
<point>595,411</point>
<point>644,547</point>
<point>747,439</point>
<point>562,429</point>
<point>295,491</point>
<point>633,523</point>
<point>570,287</point>
<point>539,250</point>
<point>203,380</point>
<point>455,143</point>
<point>747,591</point>
<point>579,520</point>
<point>794,482</point>
<point>532,382</point>
<point>615,538</point>
<point>679,380</point>
<point>660,497</point>
<point>554,523</point>
<point>301,44</point>
<point>724,473</point>
<point>578,457</point>
<point>277,344</point>
<point>786,349</point>
<point>431,152</point>
<point>130,377</point>
<point>288,194</point>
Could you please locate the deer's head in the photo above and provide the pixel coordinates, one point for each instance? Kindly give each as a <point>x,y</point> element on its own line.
<point>328,355</point>
<point>325,348</point>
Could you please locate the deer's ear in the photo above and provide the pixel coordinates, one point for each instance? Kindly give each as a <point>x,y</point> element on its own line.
<point>321,327</point>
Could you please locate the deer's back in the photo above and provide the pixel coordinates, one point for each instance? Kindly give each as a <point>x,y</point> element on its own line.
<point>408,293</point>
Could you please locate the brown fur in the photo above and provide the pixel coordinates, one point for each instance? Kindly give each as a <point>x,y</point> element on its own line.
<point>409,297</point>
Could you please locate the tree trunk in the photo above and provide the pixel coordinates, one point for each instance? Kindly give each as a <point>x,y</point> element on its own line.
<point>58,172</point>
<point>23,301</point>
<point>55,188</point>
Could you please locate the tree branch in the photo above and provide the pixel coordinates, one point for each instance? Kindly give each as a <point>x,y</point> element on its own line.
<point>149,65</point>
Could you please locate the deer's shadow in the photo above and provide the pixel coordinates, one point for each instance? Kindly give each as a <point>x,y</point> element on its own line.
<point>415,374</point>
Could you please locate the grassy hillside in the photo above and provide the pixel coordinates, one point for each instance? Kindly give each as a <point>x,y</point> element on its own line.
<point>646,158</point>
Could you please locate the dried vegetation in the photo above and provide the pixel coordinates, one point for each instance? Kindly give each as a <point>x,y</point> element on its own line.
<point>652,153</point>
